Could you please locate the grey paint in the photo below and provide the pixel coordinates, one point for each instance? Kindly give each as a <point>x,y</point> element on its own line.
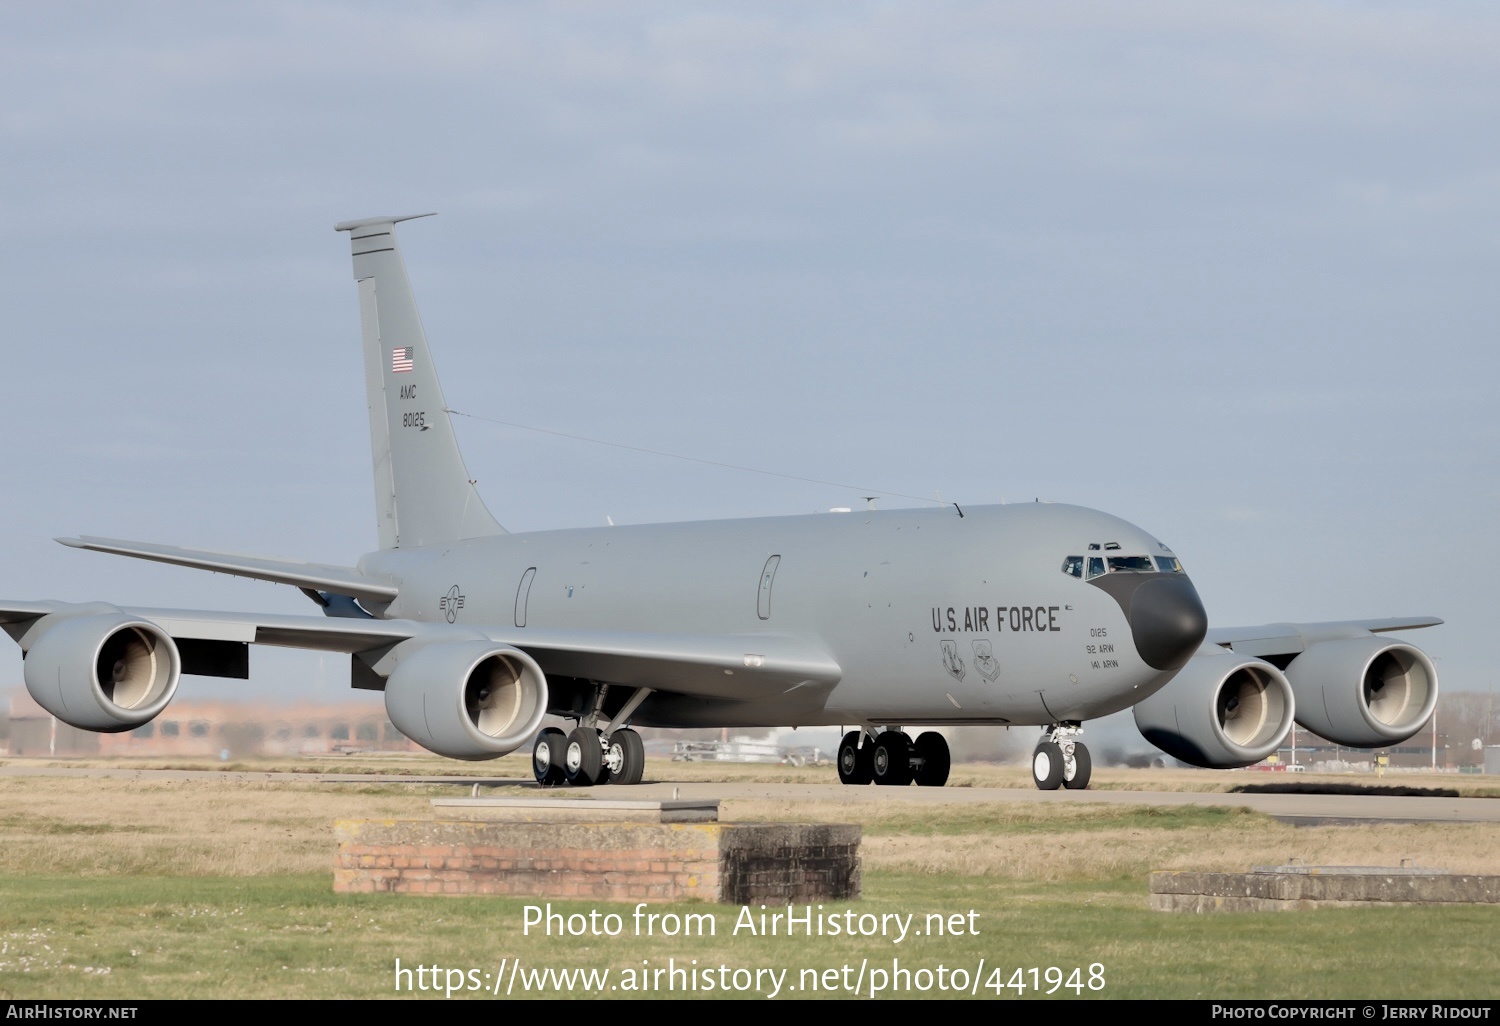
<point>423,494</point>
<point>523,595</point>
<point>903,617</point>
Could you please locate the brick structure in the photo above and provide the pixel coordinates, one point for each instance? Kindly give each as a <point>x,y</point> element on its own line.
<point>739,863</point>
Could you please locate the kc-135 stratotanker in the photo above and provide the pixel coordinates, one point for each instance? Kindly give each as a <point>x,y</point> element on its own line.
<point>1027,614</point>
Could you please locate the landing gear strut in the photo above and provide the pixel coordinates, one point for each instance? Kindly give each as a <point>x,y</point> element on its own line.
<point>1061,759</point>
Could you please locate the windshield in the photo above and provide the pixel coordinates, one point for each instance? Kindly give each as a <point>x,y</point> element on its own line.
<point>1091,566</point>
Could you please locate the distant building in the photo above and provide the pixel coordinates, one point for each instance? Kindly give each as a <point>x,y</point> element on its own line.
<point>211,728</point>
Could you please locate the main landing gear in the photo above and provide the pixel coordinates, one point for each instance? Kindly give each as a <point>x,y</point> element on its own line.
<point>1059,758</point>
<point>893,759</point>
<point>588,755</point>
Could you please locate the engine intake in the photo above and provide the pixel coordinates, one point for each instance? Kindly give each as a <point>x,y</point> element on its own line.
<point>466,700</point>
<point>1221,711</point>
<point>1363,692</point>
<point>107,672</point>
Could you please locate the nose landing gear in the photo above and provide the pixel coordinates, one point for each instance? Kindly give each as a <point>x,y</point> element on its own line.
<point>1061,759</point>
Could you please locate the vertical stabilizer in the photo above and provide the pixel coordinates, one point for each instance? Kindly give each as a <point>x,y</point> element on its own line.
<point>423,495</point>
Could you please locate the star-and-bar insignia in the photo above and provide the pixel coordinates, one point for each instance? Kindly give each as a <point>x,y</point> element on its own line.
<point>451,603</point>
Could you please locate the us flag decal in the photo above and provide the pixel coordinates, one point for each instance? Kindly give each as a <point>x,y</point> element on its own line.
<point>401,360</point>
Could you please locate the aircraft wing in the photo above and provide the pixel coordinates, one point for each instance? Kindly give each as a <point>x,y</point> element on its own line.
<point>1276,639</point>
<point>340,580</point>
<point>737,666</point>
<point>728,666</point>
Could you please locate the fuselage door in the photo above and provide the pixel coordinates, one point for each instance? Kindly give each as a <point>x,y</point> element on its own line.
<point>523,594</point>
<point>767,578</point>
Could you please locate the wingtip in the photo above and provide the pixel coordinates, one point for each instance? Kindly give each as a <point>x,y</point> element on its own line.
<point>72,543</point>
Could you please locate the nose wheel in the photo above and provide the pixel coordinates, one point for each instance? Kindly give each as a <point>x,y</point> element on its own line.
<point>1047,766</point>
<point>1061,760</point>
<point>1078,768</point>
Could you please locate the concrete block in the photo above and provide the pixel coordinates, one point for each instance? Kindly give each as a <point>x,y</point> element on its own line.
<point>1316,887</point>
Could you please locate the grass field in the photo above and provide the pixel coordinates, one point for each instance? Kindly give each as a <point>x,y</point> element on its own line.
<point>222,888</point>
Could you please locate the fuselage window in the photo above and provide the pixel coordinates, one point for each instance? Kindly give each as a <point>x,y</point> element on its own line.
<point>523,595</point>
<point>1096,567</point>
<point>1168,565</point>
<point>767,578</point>
<point>1131,564</point>
<point>1073,565</point>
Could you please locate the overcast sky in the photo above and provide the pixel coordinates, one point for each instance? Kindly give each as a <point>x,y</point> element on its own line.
<point>1228,270</point>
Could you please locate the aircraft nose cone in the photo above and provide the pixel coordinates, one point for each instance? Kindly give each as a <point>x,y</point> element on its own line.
<point>1168,621</point>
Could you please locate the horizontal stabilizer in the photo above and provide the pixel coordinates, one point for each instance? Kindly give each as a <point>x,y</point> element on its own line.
<point>340,580</point>
<point>365,222</point>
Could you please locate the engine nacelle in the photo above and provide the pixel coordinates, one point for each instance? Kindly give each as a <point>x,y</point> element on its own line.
<point>1363,692</point>
<point>106,672</point>
<point>466,699</point>
<point>1221,711</point>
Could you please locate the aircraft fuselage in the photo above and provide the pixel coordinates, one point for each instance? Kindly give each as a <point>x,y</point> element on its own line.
<point>932,617</point>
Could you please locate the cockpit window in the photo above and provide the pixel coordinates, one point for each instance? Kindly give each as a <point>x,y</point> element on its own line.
<point>1131,565</point>
<point>1073,565</point>
<point>1096,567</point>
<point>1168,565</point>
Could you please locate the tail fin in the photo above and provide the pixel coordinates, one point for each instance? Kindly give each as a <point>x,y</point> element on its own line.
<point>423,494</point>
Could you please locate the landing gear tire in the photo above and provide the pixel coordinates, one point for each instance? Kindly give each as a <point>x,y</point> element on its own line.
<point>932,749</point>
<point>1046,765</point>
<point>1076,770</point>
<point>584,761</point>
<point>890,761</point>
<point>854,760</point>
<point>547,757</point>
<point>625,757</point>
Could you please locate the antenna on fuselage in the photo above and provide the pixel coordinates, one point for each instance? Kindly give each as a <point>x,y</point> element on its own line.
<point>960,510</point>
